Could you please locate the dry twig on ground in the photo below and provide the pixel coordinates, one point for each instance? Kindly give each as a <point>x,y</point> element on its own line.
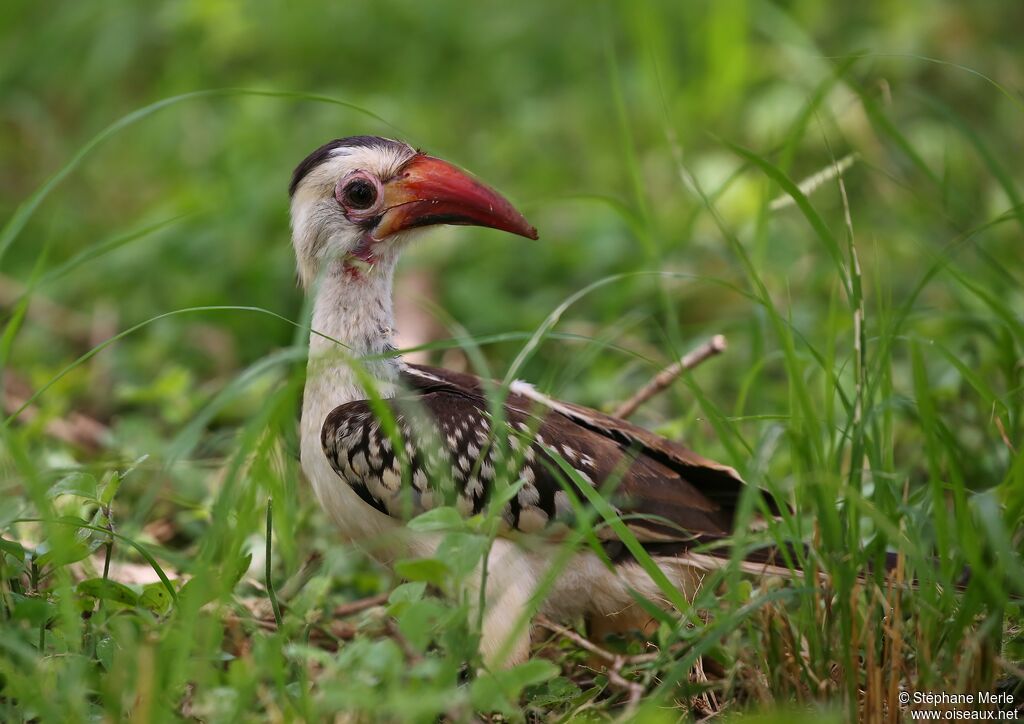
<point>634,690</point>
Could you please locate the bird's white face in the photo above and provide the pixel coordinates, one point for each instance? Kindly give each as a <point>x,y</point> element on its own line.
<point>358,199</point>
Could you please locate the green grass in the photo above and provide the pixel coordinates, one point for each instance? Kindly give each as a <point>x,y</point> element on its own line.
<point>873,374</point>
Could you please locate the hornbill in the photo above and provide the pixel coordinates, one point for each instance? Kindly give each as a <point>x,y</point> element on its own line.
<point>355,204</point>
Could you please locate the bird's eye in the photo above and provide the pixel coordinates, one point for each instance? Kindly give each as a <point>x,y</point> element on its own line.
<point>360,194</point>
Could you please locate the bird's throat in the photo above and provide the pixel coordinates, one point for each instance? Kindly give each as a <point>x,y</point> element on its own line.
<point>352,328</point>
<point>351,339</point>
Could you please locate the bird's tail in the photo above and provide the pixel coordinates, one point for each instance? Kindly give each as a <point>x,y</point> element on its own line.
<point>785,560</point>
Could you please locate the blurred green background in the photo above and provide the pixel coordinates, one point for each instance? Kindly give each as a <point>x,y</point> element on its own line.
<point>612,126</point>
<point>590,116</point>
<point>566,107</point>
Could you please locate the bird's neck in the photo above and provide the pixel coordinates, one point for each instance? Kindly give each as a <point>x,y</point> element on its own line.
<point>353,325</point>
<point>352,328</point>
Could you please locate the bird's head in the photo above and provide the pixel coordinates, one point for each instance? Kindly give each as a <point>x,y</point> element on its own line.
<point>359,199</point>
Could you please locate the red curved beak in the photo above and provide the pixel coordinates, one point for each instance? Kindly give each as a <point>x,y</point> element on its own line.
<point>430,191</point>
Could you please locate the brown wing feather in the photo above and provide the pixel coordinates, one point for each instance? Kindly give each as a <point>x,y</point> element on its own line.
<point>449,457</point>
<point>662,479</point>
<point>665,479</point>
<point>674,454</point>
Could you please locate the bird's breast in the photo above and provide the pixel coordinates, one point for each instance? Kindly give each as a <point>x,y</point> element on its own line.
<point>356,520</point>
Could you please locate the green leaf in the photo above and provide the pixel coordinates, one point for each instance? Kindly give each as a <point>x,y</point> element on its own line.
<point>419,621</point>
<point>105,652</point>
<point>532,672</point>
<point>438,519</point>
<point>37,611</point>
<point>13,549</point>
<point>461,552</point>
<point>139,548</point>
<point>65,553</point>
<point>429,570</point>
<point>558,690</point>
<point>109,487</point>
<point>500,690</point>
<point>208,585</point>
<point>107,590</point>
<point>12,510</point>
<point>408,593</point>
<point>82,485</point>
<point>241,566</point>
<point>504,494</point>
<point>311,597</point>
<point>156,598</point>
<point>200,589</point>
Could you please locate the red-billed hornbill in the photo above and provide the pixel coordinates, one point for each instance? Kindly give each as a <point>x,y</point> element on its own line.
<point>355,203</point>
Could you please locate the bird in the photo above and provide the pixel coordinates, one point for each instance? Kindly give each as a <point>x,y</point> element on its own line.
<point>383,440</point>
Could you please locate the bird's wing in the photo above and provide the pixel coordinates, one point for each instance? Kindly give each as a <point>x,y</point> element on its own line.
<point>719,483</point>
<point>449,455</point>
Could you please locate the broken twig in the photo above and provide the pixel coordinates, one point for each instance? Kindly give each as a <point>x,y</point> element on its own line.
<point>354,607</point>
<point>667,376</point>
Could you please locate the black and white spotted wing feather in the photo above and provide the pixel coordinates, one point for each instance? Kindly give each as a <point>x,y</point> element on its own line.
<point>448,454</point>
